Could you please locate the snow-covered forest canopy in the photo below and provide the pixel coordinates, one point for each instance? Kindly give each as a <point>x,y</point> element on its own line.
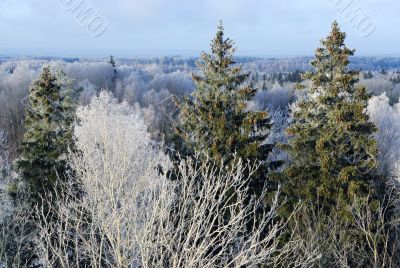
<point>216,161</point>
<point>151,82</point>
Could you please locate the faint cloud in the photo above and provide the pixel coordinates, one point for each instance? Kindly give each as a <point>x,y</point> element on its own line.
<point>142,9</point>
<point>14,10</point>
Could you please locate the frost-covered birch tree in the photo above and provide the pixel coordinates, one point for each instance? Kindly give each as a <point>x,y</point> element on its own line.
<point>131,214</point>
<point>387,118</point>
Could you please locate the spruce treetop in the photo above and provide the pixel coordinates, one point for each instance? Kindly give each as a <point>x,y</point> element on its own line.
<point>216,121</point>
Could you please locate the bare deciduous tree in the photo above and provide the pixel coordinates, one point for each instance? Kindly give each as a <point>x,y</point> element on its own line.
<point>387,119</point>
<point>132,215</point>
<point>16,237</point>
<point>372,241</point>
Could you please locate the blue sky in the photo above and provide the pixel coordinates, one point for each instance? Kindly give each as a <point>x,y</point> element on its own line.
<point>151,27</point>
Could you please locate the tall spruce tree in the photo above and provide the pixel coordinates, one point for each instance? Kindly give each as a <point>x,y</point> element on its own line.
<point>48,135</point>
<point>332,144</point>
<point>216,120</point>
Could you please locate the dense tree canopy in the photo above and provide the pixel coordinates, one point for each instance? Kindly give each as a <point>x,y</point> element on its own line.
<point>125,208</point>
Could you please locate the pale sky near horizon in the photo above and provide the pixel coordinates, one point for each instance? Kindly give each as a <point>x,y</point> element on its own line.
<point>140,27</point>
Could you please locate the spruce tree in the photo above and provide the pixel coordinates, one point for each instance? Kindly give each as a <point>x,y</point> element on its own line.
<point>332,146</point>
<point>48,135</point>
<point>264,84</point>
<point>114,67</point>
<point>216,121</point>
